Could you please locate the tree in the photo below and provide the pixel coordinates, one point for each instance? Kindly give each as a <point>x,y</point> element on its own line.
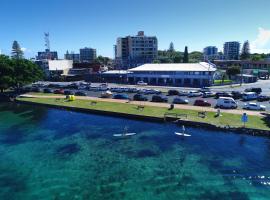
<point>102,60</point>
<point>232,71</point>
<point>16,52</point>
<point>6,71</point>
<point>185,59</point>
<point>245,54</point>
<point>156,61</point>
<point>195,57</point>
<point>25,72</point>
<point>171,48</point>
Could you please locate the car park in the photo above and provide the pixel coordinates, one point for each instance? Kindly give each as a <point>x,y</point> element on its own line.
<point>202,102</point>
<point>226,102</point>
<point>59,91</point>
<point>141,83</point>
<point>194,94</point>
<point>80,93</point>
<point>178,100</point>
<point>256,90</point>
<point>254,106</point>
<point>173,92</point>
<point>120,96</point>
<point>262,98</point>
<point>68,92</point>
<point>208,94</point>
<point>247,96</point>
<point>159,98</point>
<point>139,97</point>
<point>47,90</point>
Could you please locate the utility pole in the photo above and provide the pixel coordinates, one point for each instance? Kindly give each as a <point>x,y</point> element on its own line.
<point>47,45</point>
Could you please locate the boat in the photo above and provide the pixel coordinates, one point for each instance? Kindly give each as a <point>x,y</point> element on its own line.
<point>124,134</point>
<point>183,132</point>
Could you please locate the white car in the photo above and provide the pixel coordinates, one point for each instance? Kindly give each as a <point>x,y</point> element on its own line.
<point>141,83</point>
<point>194,94</point>
<point>254,106</point>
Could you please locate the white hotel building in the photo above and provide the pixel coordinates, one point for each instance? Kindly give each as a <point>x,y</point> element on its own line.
<point>182,74</point>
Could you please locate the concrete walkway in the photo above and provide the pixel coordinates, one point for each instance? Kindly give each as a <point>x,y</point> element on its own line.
<point>147,103</point>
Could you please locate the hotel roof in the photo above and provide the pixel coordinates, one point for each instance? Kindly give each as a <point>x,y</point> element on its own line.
<point>202,66</point>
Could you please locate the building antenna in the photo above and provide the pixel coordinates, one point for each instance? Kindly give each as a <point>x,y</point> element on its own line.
<point>47,44</point>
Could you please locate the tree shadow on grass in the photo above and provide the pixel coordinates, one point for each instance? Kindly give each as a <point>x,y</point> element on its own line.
<point>266,119</point>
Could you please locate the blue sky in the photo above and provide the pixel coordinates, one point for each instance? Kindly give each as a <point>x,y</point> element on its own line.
<point>97,23</point>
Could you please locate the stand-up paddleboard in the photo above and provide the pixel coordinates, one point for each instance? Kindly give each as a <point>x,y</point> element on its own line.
<point>183,132</point>
<point>124,134</point>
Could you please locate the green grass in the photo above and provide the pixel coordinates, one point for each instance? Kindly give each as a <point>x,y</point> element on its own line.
<point>44,94</point>
<point>233,120</point>
<point>219,82</point>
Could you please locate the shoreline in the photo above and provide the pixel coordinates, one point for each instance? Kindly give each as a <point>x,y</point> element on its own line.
<point>227,128</point>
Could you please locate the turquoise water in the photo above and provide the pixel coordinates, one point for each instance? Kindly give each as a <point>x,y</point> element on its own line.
<point>58,154</point>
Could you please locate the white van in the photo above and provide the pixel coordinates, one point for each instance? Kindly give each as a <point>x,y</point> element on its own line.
<point>249,96</point>
<point>226,102</point>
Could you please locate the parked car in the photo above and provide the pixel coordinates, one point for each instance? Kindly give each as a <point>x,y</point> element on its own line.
<point>35,89</point>
<point>107,94</point>
<point>139,97</point>
<point>68,92</point>
<point>253,106</point>
<point>205,89</point>
<point>201,102</point>
<point>263,98</point>
<point>26,89</point>
<point>208,94</point>
<point>59,91</point>
<point>223,94</point>
<point>226,102</point>
<point>103,85</point>
<point>47,90</point>
<point>194,94</point>
<point>159,98</point>
<point>256,90</point>
<point>178,100</point>
<point>141,83</point>
<point>173,92</point>
<point>183,93</point>
<point>247,96</point>
<point>236,94</point>
<point>120,96</point>
<point>80,93</point>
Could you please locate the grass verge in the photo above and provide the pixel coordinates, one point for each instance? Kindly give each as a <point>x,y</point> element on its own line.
<point>232,120</point>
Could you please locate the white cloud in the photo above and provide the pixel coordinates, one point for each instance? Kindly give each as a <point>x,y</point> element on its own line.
<point>262,43</point>
<point>23,49</point>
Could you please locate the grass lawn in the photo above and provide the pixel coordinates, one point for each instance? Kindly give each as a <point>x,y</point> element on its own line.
<point>219,82</point>
<point>233,120</point>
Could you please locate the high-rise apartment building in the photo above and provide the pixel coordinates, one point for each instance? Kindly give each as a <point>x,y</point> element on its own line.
<point>88,55</point>
<point>210,53</point>
<point>72,56</point>
<point>132,51</point>
<point>231,50</point>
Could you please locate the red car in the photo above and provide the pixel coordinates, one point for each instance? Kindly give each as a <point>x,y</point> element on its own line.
<point>59,91</point>
<point>201,102</point>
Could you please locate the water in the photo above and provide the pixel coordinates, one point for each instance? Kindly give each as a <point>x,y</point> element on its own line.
<point>58,154</point>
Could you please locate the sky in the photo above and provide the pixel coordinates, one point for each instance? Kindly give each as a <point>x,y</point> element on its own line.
<point>74,24</point>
